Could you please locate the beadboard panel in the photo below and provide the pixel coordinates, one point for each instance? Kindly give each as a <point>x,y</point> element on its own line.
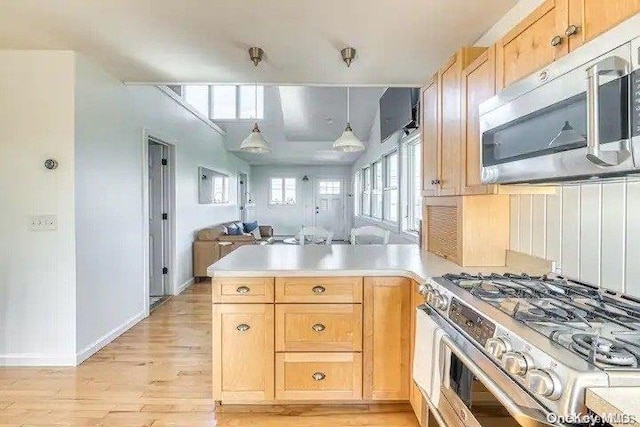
<point>591,231</point>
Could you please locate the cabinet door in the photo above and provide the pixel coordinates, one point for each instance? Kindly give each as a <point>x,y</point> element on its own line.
<point>529,46</point>
<point>478,85</point>
<point>243,353</point>
<point>449,103</point>
<point>429,134</point>
<point>593,17</point>
<point>415,397</point>
<point>387,338</point>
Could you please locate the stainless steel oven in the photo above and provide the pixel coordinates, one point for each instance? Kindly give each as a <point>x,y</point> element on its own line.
<point>463,387</point>
<point>577,119</point>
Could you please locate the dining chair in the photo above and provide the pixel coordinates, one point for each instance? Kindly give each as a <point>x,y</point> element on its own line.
<point>369,235</point>
<point>315,236</point>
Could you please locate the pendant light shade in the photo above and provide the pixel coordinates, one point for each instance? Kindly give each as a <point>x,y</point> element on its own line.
<point>348,141</point>
<point>255,142</point>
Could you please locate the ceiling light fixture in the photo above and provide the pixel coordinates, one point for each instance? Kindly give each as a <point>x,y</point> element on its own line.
<point>255,142</point>
<point>348,141</point>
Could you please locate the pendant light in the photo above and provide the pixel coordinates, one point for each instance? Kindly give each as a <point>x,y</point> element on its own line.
<point>348,141</point>
<point>255,142</point>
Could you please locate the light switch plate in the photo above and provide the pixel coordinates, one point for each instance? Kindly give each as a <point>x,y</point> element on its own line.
<point>43,222</point>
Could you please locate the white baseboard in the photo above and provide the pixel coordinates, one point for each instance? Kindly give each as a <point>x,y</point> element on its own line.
<point>184,286</point>
<point>94,347</point>
<point>36,359</point>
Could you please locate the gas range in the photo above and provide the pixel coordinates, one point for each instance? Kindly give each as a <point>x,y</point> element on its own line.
<point>553,336</point>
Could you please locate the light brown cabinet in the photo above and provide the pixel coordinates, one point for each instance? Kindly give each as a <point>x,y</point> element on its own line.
<point>590,18</point>
<point>242,290</point>
<point>415,397</point>
<point>243,354</point>
<point>387,338</point>
<point>429,134</point>
<point>319,289</point>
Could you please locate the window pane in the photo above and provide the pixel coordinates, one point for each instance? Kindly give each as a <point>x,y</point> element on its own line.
<point>377,175</point>
<point>392,170</point>
<point>276,191</point>
<point>366,204</point>
<point>391,205</point>
<point>376,205</point>
<point>290,191</point>
<point>329,187</point>
<point>367,179</point>
<point>198,97</point>
<point>248,102</point>
<point>357,192</point>
<point>224,102</point>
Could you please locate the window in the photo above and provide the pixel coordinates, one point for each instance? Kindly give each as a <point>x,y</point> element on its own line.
<point>223,100</point>
<point>247,104</point>
<point>198,97</point>
<point>391,186</point>
<point>220,190</point>
<point>413,180</point>
<point>282,191</point>
<point>366,191</point>
<point>329,187</point>
<point>376,191</point>
<point>230,102</point>
<point>213,187</point>
<point>357,192</point>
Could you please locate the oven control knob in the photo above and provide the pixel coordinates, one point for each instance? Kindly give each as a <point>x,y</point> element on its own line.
<point>517,363</point>
<point>440,301</point>
<point>497,347</point>
<point>424,289</point>
<point>544,383</point>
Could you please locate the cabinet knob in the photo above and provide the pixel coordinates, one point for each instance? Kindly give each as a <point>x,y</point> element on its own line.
<point>435,182</point>
<point>243,289</point>
<point>571,30</point>
<point>556,41</point>
<point>318,327</point>
<point>319,376</point>
<point>318,289</point>
<point>243,327</point>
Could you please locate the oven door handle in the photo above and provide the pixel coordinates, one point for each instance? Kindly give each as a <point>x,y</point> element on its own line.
<point>524,417</point>
<point>613,65</point>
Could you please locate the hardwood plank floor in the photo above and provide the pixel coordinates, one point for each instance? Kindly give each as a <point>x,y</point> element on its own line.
<point>158,374</point>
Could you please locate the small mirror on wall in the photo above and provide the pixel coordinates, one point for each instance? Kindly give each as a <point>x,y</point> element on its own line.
<point>213,187</point>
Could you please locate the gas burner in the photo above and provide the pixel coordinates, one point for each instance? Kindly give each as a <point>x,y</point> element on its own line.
<point>533,314</point>
<point>488,291</point>
<point>603,351</point>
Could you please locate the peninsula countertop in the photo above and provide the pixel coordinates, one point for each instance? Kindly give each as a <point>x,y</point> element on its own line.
<point>336,260</point>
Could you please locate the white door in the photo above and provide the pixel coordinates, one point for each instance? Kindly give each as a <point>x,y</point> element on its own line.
<point>330,208</point>
<point>157,234</point>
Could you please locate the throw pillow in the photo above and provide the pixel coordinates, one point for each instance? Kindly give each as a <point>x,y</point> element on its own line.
<point>234,231</point>
<point>256,233</point>
<point>250,226</point>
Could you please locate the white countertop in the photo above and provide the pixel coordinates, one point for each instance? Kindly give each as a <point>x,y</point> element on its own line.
<point>336,260</point>
<point>615,401</point>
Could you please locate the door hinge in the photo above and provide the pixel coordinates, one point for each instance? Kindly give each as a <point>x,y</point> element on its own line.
<point>165,216</point>
<point>165,270</point>
<point>165,162</point>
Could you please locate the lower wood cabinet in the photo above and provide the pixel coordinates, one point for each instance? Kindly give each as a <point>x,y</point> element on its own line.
<point>415,396</point>
<point>319,376</point>
<point>387,338</point>
<point>243,352</point>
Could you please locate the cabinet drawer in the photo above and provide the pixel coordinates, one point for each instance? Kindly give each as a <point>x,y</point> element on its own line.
<point>242,289</point>
<point>318,327</point>
<point>318,376</point>
<point>319,289</point>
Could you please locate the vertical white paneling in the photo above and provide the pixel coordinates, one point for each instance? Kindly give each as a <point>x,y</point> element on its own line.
<point>612,261</point>
<point>525,224</point>
<point>554,227</point>
<point>632,283</point>
<point>538,225</point>
<point>571,231</point>
<point>590,232</point>
<point>514,226</point>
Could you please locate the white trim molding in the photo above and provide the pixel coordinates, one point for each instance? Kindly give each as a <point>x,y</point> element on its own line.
<point>183,287</point>
<point>37,359</point>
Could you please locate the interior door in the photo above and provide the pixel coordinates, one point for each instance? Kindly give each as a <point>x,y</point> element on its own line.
<point>329,209</point>
<point>242,196</point>
<point>156,222</point>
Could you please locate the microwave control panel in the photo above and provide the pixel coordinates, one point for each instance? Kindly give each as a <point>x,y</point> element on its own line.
<point>472,323</point>
<point>635,103</point>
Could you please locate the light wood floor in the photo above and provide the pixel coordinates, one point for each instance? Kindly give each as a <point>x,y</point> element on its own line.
<point>157,374</point>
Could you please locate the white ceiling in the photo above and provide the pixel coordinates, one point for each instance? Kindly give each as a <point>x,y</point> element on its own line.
<point>302,122</point>
<point>399,42</point>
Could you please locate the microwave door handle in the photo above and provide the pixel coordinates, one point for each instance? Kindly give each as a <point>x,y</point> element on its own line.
<point>524,418</point>
<point>611,65</point>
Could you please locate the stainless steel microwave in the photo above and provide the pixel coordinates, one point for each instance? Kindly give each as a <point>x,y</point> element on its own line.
<point>578,119</point>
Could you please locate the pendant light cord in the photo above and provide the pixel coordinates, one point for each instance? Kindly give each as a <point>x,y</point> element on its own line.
<point>348,102</point>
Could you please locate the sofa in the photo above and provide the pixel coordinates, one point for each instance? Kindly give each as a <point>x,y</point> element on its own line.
<point>212,243</point>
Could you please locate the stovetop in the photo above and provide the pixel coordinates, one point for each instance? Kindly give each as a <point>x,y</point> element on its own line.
<point>599,326</point>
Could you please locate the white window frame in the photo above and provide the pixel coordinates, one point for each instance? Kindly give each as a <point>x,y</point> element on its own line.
<point>283,179</point>
<point>225,189</point>
<point>387,188</point>
<point>375,190</point>
<point>366,191</point>
<point>357,193</point>
<point>237,99</point>
<point>412,186</point>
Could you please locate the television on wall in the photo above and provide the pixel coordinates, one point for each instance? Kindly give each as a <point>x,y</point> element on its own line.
<point>398,111</point>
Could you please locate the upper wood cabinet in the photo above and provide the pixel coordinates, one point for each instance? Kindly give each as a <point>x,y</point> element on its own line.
<point>590,18</point>
<point>429,134</point>
<point>535,42</point>
<point>478,85</point>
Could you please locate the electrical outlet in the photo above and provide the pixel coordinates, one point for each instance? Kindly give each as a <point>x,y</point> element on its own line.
<point>43,222</point>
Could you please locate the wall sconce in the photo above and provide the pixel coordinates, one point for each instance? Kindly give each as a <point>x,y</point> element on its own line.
<point>305,178</point>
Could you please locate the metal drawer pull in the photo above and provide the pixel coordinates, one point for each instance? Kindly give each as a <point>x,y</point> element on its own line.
<point>318,327</point>
<point>243,327</point>
<point>318,289</point>
<point>243,289</point>
<point>319,376</point>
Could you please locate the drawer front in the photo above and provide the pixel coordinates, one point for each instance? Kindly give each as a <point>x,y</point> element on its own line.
<point>318,327</point>
<point>318,376</point>
<point>319,289</point>
<point>242,290</point>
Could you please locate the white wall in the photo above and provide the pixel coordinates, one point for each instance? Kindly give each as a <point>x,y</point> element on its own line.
<point>374,151</point>
<point>37,281</point>
<point>287,220</point>
<point>516,14</point>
